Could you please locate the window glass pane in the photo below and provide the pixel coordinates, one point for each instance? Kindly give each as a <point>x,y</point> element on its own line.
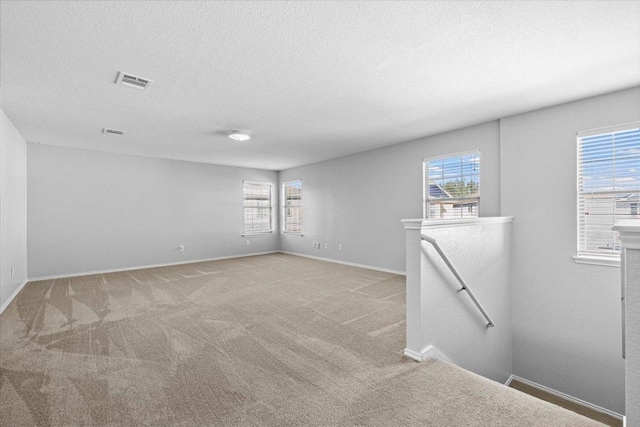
<point>292,209</point>
<point>452,186</point>
<point>257,207</point>
<point>608,188</point>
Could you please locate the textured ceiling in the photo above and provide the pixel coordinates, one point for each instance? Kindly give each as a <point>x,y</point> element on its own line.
<point>309,80</point>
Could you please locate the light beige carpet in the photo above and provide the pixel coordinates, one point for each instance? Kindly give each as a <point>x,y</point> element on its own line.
<point>274,340</point>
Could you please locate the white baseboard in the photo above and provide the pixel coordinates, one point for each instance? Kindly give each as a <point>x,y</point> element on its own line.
<point>353,264</point>
<point>413,355</point>
<point>168,264</point>
<point>566,397</point>
<point>430,352</point>
<point>12,296</point>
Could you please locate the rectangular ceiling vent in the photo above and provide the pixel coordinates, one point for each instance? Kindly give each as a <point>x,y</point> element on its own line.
<point>135,82</point>
<point>108,131</point>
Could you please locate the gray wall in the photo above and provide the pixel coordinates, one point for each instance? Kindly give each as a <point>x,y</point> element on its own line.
<point>91,211</point>
<point>359,200</point>
<point>566,316</point>
<point>13,208</point>
<point>451,322</point>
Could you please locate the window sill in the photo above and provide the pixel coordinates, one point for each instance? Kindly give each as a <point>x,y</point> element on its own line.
<point>597,260</point>
<point>266,233</point>
<point>285,233</point>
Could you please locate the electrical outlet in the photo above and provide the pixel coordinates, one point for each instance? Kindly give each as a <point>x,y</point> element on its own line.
<point>13,271</point>
<point>326,246</point>
<point>340,247</point>
<point>181,248</point>
<point>248,242</point>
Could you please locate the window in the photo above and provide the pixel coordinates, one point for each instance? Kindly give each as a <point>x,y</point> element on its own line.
<point>257,207</point>
<point>292,207</point>
<point>608,187</point>
<point>452,186</point>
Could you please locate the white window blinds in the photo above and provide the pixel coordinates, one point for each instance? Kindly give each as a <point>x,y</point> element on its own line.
<point>608,188</point>
<point>292,206</point>
<point>257,207</point>
<point>452,186</point>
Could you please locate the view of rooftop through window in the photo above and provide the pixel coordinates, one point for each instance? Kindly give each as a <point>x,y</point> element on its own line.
<point>608,188</point>
<point>452,186</point>
<point>292,195</point>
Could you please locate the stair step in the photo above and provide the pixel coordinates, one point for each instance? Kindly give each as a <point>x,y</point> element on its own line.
<point>567,404</point>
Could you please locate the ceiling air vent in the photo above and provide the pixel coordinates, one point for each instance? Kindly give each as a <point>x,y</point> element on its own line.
<point>108,131</point>
<point>135,82</point>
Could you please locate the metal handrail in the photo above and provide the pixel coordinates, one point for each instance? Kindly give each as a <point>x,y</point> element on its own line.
<point>465,287</point>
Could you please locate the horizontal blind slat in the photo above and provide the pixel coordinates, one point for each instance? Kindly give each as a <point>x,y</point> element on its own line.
<point>608,188</point>
<point>292,209</point>
<point>257,207</point>
<point>452,186</point>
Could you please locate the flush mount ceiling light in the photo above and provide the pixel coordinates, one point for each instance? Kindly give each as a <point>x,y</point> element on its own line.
<point>109,131</point>
<point>239,136</point>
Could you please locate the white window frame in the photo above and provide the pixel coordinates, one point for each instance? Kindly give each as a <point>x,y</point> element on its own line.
<point>284,206</point>
<point>609,260</point>
<point>425,196</point>
<point>259,233</point>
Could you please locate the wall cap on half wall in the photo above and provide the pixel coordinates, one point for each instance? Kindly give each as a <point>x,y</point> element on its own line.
<point>438,223</point>
<point>629,230</point>
<point>418,224</point>
<point>412,224</point>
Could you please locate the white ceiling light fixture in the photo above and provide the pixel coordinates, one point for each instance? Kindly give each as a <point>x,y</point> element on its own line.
<point>109,131</point>
<point>239,136</point>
